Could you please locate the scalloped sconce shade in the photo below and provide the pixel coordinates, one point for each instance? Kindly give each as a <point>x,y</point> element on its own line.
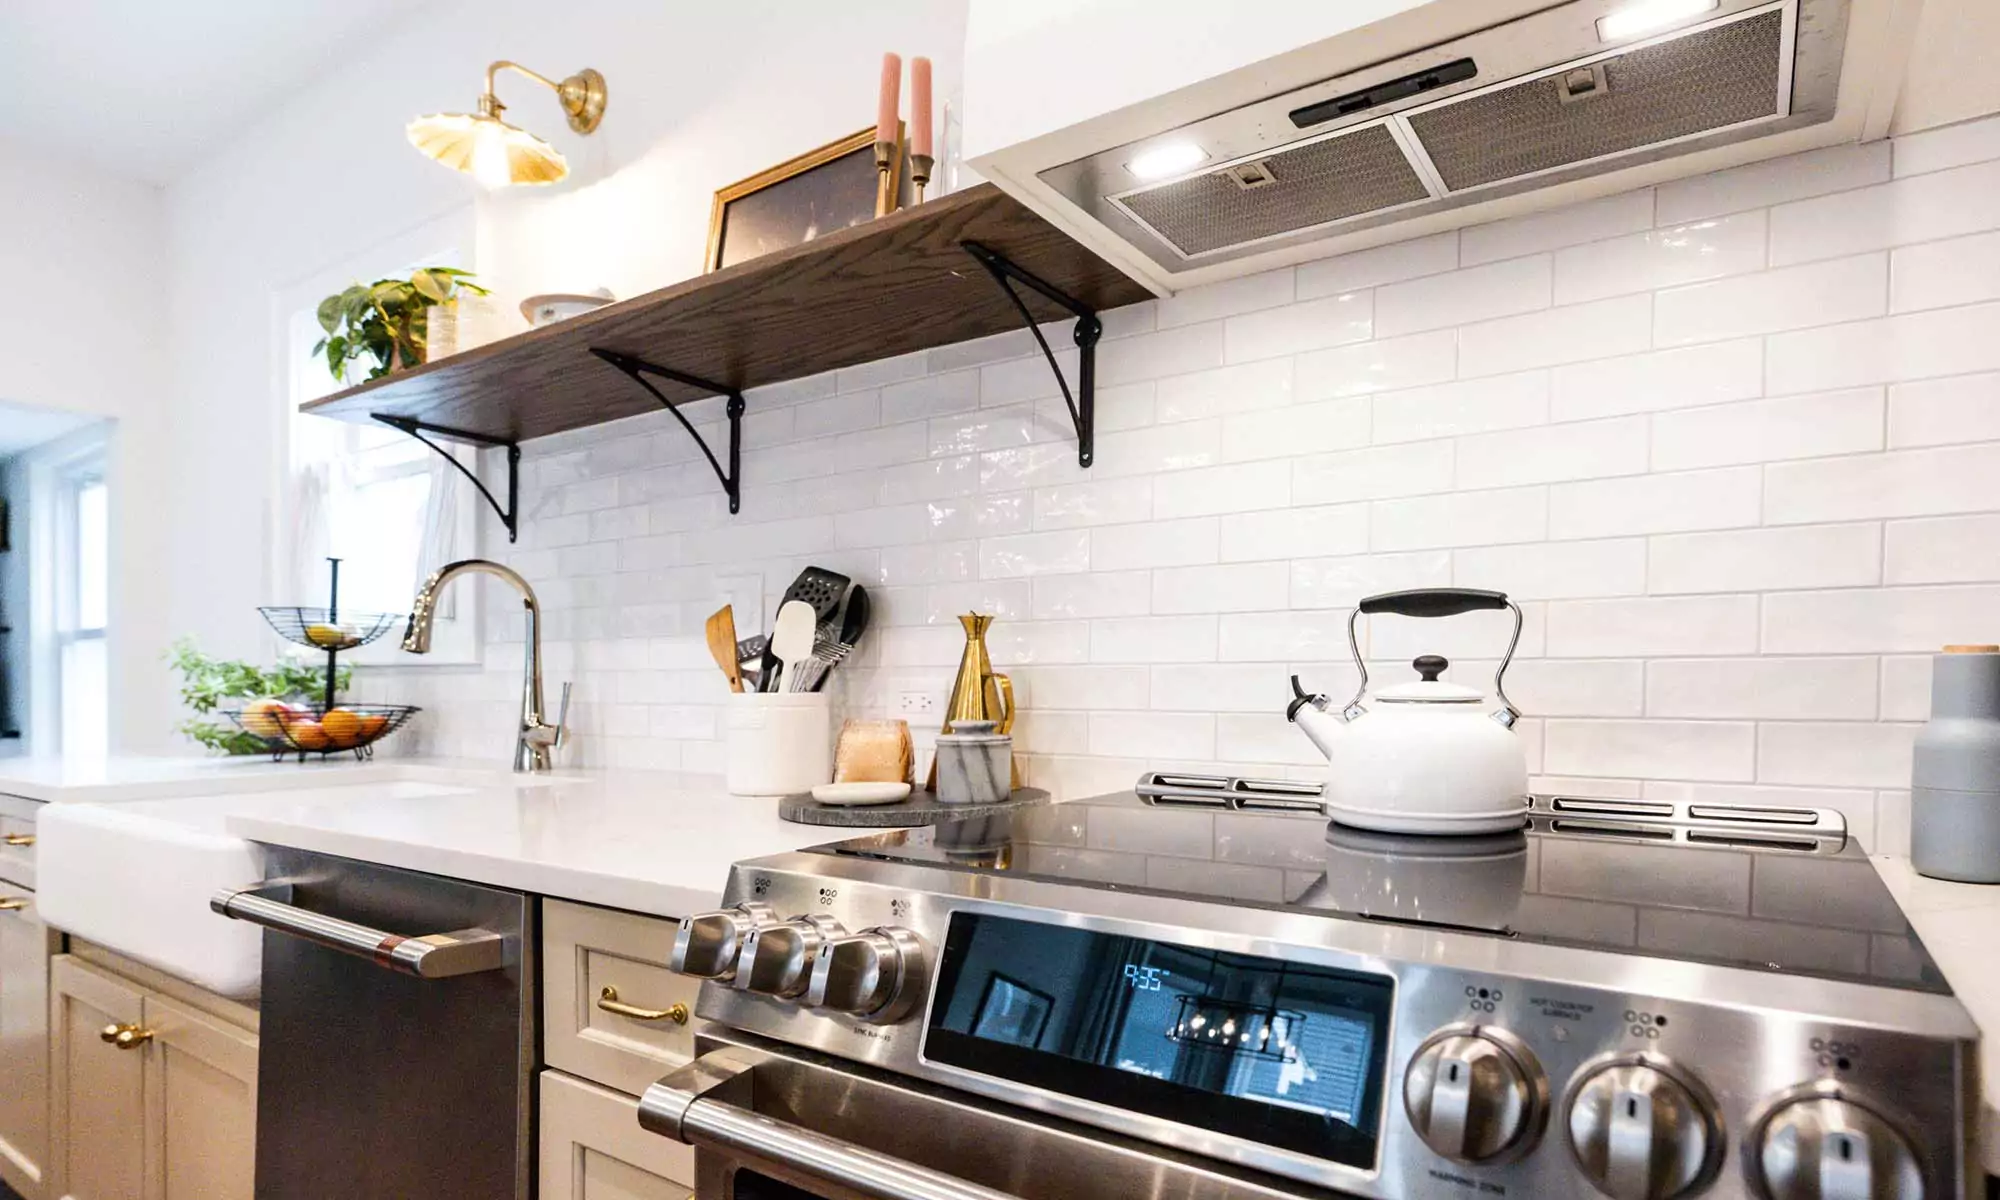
<point>488,149</point>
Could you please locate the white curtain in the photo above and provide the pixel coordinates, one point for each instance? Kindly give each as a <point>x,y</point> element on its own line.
<point>440,541</point>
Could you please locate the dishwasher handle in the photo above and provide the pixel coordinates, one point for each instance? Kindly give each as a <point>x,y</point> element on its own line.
<point>686,1107</point>
<point>432,956</point>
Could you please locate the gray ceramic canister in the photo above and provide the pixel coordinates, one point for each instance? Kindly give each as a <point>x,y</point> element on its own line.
<point>1955,772</point>
<point>974,764</point>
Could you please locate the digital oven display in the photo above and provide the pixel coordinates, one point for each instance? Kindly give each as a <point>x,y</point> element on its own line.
<point>1283,1054</point>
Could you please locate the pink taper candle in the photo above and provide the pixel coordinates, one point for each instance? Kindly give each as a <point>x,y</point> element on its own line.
<point>920,106</point>
<point>892,86</point>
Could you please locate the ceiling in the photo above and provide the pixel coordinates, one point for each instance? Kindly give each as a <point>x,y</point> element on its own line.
<point>22,427</point>
<point>143,88</point>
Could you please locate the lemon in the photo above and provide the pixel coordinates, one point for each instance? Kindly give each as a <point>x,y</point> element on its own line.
<point>327,635</point>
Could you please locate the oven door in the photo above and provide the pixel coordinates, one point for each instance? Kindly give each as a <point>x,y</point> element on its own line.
<point>772,1122</point>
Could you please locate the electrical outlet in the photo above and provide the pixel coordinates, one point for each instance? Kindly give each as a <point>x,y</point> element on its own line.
<point>918,705</point>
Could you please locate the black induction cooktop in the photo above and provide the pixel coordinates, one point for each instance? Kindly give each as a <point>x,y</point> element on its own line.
<point>1806,905</point>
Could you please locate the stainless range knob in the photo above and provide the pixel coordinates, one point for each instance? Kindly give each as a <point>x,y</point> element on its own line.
<point>1644,1129</point>
<point>707,945</point>
<point>1476,1095</point>
<point>872,974</point>
<point>1821,1146</point>
<point>778,959</point>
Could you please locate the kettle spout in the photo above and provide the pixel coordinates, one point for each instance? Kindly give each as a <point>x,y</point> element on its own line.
<point>1322,727</point>
<point>1309,713</point>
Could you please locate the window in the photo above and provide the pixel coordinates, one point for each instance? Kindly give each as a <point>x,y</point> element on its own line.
<point>83,605</point>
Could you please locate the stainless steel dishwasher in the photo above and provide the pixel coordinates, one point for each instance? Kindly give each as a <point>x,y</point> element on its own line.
<point>398,1039</point>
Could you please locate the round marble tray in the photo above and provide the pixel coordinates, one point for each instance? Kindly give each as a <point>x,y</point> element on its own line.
<point>922,808</point>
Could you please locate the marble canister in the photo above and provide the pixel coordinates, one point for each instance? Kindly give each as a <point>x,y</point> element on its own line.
<point>1955,772</point>
<point>975,765</point>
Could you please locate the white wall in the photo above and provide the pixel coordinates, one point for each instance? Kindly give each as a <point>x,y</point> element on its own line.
<point>1732,441</point>
<point>83,300</point>
<point>700,96</point>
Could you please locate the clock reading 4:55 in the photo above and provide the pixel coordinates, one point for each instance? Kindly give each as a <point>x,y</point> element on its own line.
<point>1145,979</point>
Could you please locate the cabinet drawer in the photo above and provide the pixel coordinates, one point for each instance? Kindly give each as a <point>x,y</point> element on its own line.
<point>17,850</point>
<point>586,950</point>
<point>593,1149</point>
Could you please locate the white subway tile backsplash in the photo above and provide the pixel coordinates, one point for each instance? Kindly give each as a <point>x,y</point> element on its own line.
<point>1844,289</point>
<point>1664,379</point>
<point>1938,412</point>
<point>1808,426</point>
<point>1473,406</point>
<point>1919,208</point>
<point>1721,751</point>
<point>1572,333</point>
<point>1758,185</point>
<point>1590,221</point>
<point>1378,366</point>
<point>1295,328</point>
<point>1474,294</point>
<point>1766,560</point>
<point>1718,499</point>
<point>1730,588</point>
<point>1652,627</point>
<point>1332,529</point>
<point>1549,454</point>
<point>1942,550</point>
<point>1781,689</point>
<point>1900,483</point>
<point>1461,519</point>
<point>1393,263</point>
<point>1658,258</point>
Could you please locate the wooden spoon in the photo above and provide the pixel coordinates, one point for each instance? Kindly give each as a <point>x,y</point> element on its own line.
<point>722,645</point>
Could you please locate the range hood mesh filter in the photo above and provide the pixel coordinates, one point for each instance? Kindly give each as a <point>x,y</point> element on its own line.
<point>1316,183</point>
<point>1700,82</point>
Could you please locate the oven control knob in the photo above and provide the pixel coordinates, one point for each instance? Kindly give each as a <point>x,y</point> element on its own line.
<point>874,974</point>
<point>1476,1095</point>
<point>1820,1146</point>
<point>1643,1129</point>
<point>778,959</point>
<point>707,944</point>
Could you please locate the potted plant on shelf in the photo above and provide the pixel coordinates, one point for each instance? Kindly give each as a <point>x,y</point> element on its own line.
<point>388,321</point>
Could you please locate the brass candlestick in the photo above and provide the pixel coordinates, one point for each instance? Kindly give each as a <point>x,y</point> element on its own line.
<point>920,172</point>
<point>885,178</point>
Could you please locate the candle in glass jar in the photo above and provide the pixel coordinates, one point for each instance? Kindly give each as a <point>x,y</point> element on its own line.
<point>920,106</point>
<point>892,84</point>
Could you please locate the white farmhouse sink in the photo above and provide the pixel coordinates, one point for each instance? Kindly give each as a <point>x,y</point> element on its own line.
<point>136,877</point>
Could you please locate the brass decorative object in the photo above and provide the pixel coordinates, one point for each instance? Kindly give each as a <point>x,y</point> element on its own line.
<point>498,153</point>
<point>827,188</point>
<point>978,694</point>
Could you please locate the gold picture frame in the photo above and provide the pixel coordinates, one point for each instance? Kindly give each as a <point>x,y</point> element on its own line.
<point>838,155</point>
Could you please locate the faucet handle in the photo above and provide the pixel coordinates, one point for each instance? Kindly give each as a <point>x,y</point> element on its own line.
<point>562,720</point>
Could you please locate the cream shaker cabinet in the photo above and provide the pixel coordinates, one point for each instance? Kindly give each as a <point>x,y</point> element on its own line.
<point>153,1088</point>
<point>593,1149</point>
<point>25,947</point>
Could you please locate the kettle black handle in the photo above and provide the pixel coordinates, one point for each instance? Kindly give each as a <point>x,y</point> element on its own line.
<point>1433,602</point>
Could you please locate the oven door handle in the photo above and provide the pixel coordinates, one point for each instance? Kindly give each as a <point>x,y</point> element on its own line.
<point>682,1107</point>
<point>432,956</point>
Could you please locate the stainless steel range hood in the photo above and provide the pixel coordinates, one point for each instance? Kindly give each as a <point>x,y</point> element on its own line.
<point>1448,134</point>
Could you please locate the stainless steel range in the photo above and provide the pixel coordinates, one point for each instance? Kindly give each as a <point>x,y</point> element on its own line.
<point>1109,999</point>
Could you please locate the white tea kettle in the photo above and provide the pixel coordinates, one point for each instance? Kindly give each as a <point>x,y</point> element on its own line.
<point>1425,756</point>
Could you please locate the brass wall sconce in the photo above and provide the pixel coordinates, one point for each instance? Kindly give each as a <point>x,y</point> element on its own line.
<point>498,153</point>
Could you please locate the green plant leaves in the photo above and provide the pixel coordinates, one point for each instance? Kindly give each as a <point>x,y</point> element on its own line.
<point>385,318</point>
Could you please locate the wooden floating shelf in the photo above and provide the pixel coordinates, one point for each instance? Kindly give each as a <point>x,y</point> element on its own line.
<point>896,285</point>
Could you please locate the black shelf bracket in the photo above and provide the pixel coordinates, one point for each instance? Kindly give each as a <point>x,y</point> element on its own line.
<point>1083,404</point>
<point>639,368</point>
<point>510,516</point>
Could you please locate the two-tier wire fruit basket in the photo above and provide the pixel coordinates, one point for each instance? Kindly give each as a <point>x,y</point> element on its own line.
<point>326,726</point>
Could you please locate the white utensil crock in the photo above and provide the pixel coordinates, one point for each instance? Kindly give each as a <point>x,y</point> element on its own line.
<point>780,743</point>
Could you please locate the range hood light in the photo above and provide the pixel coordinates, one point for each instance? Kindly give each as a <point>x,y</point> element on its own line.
<point>1648,16</point>
<point>1167,158</point>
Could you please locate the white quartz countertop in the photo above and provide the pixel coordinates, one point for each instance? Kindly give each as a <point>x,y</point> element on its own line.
<point>651,842</point>
<point>106,780</point>
<point>1956,922</point>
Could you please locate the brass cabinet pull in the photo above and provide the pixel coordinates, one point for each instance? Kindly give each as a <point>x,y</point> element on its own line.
<point>125,1037</point>
<point>13,903</point>
<point>19,839</point>
<point>609,1002</point>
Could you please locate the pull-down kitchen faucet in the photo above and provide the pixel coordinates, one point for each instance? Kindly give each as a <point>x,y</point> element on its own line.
<point>534,749</point>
